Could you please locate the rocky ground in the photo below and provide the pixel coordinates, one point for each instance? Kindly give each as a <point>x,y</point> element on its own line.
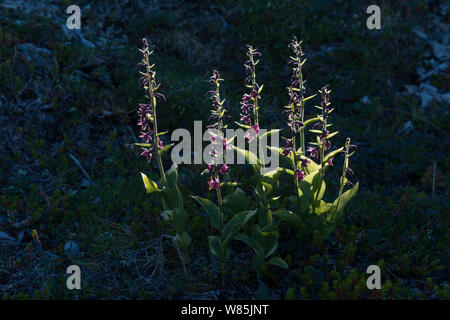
<point>67,121</point>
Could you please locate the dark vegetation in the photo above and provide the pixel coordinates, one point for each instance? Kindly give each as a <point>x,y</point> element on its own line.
<point>68,112</point>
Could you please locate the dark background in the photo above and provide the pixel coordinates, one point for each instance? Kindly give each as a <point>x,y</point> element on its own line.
<point>68,100</point>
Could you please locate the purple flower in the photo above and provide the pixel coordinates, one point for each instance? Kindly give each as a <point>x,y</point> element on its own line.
<point>245,119</point>
<point>313,152</point>
<point>324,134</point>
<point>223,169</point>
<point>304,162</point>
<point>300,174</point>
<point>287,147</point>
<point>330,161</point>
<point>214,183</point>
<point>147,153</point>
<point>252,133</point>
<point>146,136</point>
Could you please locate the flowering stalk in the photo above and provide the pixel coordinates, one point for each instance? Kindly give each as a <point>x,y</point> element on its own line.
<point>218,168</point>
<point>308,175</point>
<point>344,180</point>
<point>147,112</point>
<point>170,195</point>
<point>249,103</point>
<point>296,114</point>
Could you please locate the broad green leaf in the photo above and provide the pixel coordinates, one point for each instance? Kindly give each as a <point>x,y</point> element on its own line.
<point>165,149</point>
<point>279,151</point>
<point>236,201</point>
<point>249,156</point>
<point>322,207</point>
<point>252,243</point>
<point>184,242</point>
<point>276,261</point>
<point>214,245</point>
<point>332,154</point>
<point>172,174</point>
<point>341,202</point>
<point>267,237</point>
<point>212,210</point>
<point>150,185</point>
<point>177,218</point>
<point>235,224</point>
<point>269,133</point>
<point>311,167</point>
<point>318,185</point>
<point>292,218</point>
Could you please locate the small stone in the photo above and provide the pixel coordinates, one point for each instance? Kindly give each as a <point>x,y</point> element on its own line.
<point>71,249</point>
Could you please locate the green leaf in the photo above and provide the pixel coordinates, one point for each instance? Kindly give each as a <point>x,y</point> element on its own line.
<point>184,242</point>
<point>165,149</point>
<point>150,185</point>
<point>267,237</point>
<point>332,154</point>
<point>177,218</point>
<point>214,245</point>
<point>260,88</point>
<point>269,133</point>
<point>230,184</point>
<point>318,185</point>
<point>250,157</point>
<point>145,145</point>
<point>341,202</point>
<point>322,207</point>
<point>331,135</point>
<point>310,97</point>
<point>235,224</point>
<point>243,125</point>
<point>292,218</point>
<point>309,121</point>
<point>276,261</point>
<point>279,151</point>
<point>212,210</point>
<point>311,167</point>
<point>236,201</point>
<point>172,174</point>
<point>252,243</point>
<point>258,263</point>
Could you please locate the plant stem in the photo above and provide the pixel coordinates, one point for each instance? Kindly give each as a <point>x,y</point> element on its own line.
<point>297,191</point>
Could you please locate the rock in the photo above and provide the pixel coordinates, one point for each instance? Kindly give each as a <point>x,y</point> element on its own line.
<point>365,100</point>
<point>40,58</point>
<point>71,249</point>
<point>441,51</point>
<point>6,237</point>
<point>71,34</point>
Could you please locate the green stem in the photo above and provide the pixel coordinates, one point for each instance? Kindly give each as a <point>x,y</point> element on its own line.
<point>297,192</point>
